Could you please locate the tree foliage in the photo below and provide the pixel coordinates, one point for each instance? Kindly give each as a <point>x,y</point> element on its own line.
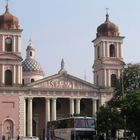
<point>127,99</point>
<point>131,108</point>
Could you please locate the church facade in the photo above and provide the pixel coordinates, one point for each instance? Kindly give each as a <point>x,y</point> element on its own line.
<point>28,99</point>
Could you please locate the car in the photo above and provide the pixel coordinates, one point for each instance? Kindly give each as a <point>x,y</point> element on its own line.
<point>29,138</point>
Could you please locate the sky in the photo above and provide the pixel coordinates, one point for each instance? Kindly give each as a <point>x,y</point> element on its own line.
<point>65,29</point>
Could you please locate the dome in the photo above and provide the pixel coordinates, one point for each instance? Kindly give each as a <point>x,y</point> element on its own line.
<point>30,64</point>
<point>107,28</point>
<point>8,21</point>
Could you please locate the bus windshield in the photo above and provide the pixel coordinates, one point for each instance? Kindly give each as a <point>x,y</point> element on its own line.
<point>84,123</point>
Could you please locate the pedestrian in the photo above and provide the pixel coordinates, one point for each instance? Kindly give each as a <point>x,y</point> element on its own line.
<point>18,138</point>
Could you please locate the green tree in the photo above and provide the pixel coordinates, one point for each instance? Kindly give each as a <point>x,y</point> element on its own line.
<point>127,96</point>
<point>131,108</point>
<point>108,121</point>
<point>127,99</point>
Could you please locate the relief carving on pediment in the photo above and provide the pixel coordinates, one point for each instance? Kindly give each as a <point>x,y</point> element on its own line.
<point>62,83</point>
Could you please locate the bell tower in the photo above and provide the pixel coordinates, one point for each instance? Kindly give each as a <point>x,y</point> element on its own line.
<point>10,50</point>
<point>108,59</point>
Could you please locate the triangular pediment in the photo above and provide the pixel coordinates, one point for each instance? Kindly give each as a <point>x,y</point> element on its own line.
<point>10,56</point>
<point>60,81</point>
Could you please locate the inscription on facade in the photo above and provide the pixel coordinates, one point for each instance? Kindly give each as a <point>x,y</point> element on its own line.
<point>62,83</point>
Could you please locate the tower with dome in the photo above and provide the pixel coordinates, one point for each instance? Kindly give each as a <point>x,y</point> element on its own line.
<point>29,99</point>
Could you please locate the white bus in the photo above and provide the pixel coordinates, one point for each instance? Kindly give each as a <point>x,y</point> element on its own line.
<point>72,128</point>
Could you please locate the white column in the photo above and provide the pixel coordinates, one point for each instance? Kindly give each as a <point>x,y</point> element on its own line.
<point>18,74</point>
<point>14,44</point>
<point>103,49</point>
<point>107,49</point>
<point>105,78</point>
<point>102,100</point>
<point>77,106</point>
<point>14,74</point>
<point>117,50</point>
<point>120,50</point>
<point>3,74</point>
<point>3,43</point>
<point>94,107</point>
<point>24,133</point>
<point>54,109</point>
<point>19,44</point>
<point>109,80</point>
<point>47,114</point>
<point>71,106</point>
<point>29,133</point>
<point>47,109</point>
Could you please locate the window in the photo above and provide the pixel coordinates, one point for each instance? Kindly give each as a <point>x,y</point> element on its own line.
<point>30,53</point>
<point>8,44</point>
<point>98,52</point>
<point>8,78</point>
<point>22,81</point>
<point>32,80</point>
<point>112,50</point>
<point>113,80</point>
<point>97,80</point>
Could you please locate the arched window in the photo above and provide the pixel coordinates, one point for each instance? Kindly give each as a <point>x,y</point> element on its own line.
<point>112,50</point>
<point>113,80</point>
<point>8,78</point>
<point>22,81</point>
<point>32,80</point>
<point>98,52</point>
<point>97,80</point>
<point>8,44</point>
<point>30,53</point>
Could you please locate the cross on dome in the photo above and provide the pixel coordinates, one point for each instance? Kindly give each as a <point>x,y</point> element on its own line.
<point>107,15</point>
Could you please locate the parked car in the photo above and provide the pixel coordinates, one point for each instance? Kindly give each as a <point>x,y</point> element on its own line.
<point>29,138</point>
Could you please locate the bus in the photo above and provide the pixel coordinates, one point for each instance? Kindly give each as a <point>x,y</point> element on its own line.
<point>72,128</point>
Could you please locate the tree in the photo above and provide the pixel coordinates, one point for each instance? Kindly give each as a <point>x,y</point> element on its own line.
<point>131,108</point>
<point>108,121</point>
<point>127,97</point>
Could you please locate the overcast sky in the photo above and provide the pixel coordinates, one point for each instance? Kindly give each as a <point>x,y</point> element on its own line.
<point>65,28</point>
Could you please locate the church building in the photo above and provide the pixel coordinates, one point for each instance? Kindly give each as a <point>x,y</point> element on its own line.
<point>28,99</point>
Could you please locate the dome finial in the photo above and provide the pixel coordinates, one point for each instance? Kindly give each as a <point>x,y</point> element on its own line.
<point>62,64</point>
<point>7,7</point>
<point>107,15</point>
<point>62,70</point>
<point>30,41</point>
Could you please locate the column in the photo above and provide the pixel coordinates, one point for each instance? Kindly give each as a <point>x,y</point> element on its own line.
<point>3,74</point>
<point>71,106</point>
<point>24,133</point>
<point>104,49</point>
<point>47,115</point>
<point>77,106</point>
<point>14,74</point>
<point>109,80</point>
<point>29,133</point>
<point>3,43</point>
<point>105,84</point>
<point>94,107</point>
<point>19,43</point>
<point>18,74</point>
<point>54,109</point>
<point>14,42</point>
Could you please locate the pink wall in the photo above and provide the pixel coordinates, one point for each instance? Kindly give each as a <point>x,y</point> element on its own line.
<point>9,109</point>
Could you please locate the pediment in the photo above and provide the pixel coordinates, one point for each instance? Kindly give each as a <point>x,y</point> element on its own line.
<point>59,81</point>
<point>10,56</point>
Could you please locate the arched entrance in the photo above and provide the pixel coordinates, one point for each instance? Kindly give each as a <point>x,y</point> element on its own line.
<point>8,129</point>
